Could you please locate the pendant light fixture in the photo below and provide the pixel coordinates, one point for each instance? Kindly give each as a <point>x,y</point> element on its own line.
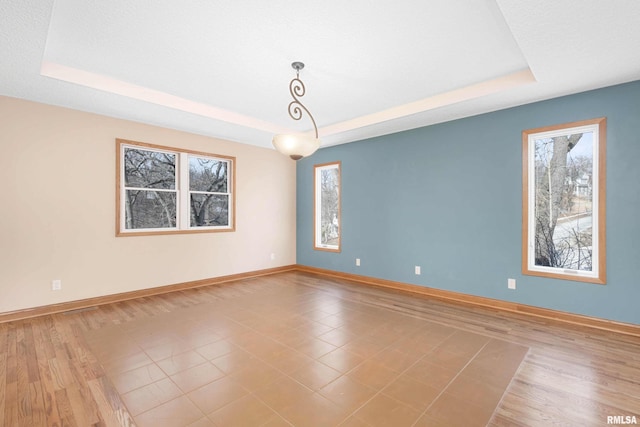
<point>297,145</point>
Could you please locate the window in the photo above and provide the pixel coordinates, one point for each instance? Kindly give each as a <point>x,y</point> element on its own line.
<point>563,215</point>
<point>166,190</point>
<point>327,229</point>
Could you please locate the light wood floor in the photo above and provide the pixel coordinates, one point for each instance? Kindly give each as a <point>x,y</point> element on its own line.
<point>300,349</point>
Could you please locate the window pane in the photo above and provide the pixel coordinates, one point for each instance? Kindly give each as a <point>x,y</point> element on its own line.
<point>206,174</point>
<point>327,226</point>
<point>329,214</point>
<point>149,169</point>
<point>150,209</point>
<point>564,204</point>
<point>208,210</point>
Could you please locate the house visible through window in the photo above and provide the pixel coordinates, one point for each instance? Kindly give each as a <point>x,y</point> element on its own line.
<point>167,190</point>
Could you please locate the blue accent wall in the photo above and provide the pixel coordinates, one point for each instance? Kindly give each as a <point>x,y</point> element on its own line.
<point>448,198</point>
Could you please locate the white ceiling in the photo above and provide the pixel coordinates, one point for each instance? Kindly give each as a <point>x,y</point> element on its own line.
<point>222,68</point>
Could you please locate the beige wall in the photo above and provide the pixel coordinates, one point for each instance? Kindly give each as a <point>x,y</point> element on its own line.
<point>57,210</point>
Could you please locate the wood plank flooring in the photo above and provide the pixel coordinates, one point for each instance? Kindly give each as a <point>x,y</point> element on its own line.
<point>53,373</point>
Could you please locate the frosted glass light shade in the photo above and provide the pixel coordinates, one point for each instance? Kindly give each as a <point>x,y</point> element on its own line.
<point>296,146</point>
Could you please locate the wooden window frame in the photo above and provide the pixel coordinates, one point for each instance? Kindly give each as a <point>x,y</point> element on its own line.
<point>598,210</point>
<point>317,229</point>
<point>182,189</point>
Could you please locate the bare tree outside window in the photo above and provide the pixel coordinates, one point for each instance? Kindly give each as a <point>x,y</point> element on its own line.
<point>150,182</point>
<point>563,215</point>
<point>208,188</point>
<point>327,207</point>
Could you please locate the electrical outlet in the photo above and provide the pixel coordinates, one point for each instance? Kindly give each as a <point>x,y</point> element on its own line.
<point>56,285</point>
<point>417,270</point>
<point>357,262</point>
<point>273,256</point>
<point>511,283</point>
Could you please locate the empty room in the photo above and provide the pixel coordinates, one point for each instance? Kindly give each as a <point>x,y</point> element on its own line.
<point>355,214</point>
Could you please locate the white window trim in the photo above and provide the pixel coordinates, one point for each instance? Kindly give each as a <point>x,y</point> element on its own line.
<point>597,274</point>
